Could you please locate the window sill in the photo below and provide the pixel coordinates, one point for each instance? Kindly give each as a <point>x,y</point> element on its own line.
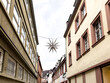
<point>79,58</point>
<point>83,18</point>
<point>70,65</point>
<point>69,43</point>
<point>11,77</point>
<point>86,51</point>
<point>77,29</point>
<point>97,42</point>
<point>108,32</point>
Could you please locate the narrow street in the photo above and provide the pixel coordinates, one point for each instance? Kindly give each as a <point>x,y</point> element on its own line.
<point>54,41</point>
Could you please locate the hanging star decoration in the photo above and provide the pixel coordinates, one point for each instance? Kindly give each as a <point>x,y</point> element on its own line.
<point>52,45</point>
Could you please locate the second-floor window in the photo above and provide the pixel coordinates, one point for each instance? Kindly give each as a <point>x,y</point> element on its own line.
<point>30,55</point>
<point>23,35</point>
<point>16,20</point>
<point>78,49</point>
<point>27,46</point>
<point>7,4</point>
<point>86,44</point>
<point>98,29</point>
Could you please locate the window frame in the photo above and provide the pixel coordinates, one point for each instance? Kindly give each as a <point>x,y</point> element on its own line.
<point>27,45</point>
<point>18,22</point>
<point>77,26</point>
<point>107,8</point>
<point>1,59</point>
<point>7,5</point>
<point>25,78</point>
<point>7,70</point>
<point>77,50</point>
<point>70,59</point>
<point>84,51</point>
<point>69,38</point>
<point>23,35</point>
<point>20,77</point>
<point>93,36</point>
<point>82,18</point>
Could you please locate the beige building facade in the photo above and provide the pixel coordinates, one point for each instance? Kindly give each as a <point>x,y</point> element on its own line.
<point>18,42</point>
<point>87,42</point>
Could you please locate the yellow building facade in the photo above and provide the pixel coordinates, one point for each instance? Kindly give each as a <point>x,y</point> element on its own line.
<point>18,42</point>
<point>87,42</point>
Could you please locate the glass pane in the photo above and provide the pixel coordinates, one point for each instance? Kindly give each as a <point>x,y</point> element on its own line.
<point>16,14</point>
<point>15,24</point>
<point>20,72</point>
<point>1,59</point>
<point>11,67</point>
<point>8,7</point>
<point>5,3</point>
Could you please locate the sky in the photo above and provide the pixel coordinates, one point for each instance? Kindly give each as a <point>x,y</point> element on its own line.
<point>51,17</point>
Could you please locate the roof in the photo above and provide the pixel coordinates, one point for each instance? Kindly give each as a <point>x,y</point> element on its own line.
<point>60,64</point>
<point>47,71</point>
<point>76,4</point>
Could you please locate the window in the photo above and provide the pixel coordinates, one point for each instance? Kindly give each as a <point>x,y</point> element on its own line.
<point>26,3</point>
<point>27,46</point>
<point>28,77</point>
<point>1,58</point>
<point>25,76</point>
<point>70,60</point>
<point>64,68</point>
<point>108,15</point>
<point>77,22</point>
<point>83,11</point>
<point>7,4</point>
<point>30,55</point>
<point>34,62</point>
<point>69,38</point>
<point>11,67</point>
<point>78,49</point>
<point>16,20</point>
<point>23,36</point>
<point>60,70</point>
<point>32,58</point>
<point>85,41</point>
<point>97,29</point>
<point>20,72</point>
